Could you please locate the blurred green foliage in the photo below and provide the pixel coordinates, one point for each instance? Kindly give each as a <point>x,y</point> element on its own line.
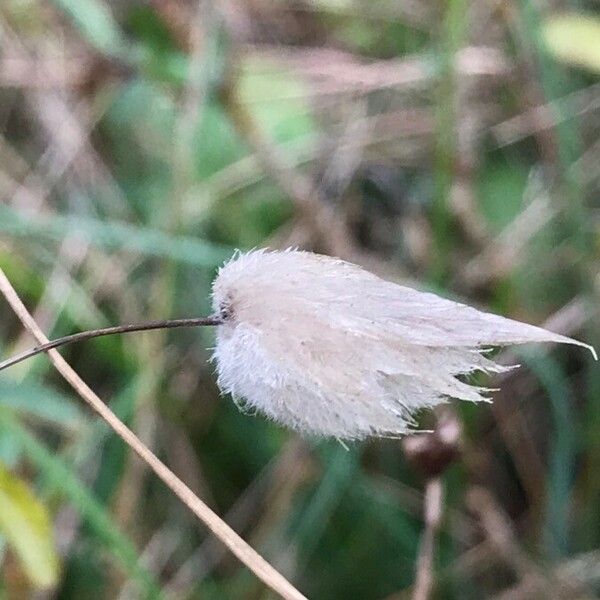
<point>125,186</point>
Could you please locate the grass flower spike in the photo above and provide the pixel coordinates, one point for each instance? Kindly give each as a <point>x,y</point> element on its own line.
<point>325,347</point>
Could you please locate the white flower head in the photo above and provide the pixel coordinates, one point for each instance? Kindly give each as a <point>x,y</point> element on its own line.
<point>325,347</point>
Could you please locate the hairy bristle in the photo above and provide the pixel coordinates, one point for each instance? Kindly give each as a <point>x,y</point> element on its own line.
<point>325,347</point>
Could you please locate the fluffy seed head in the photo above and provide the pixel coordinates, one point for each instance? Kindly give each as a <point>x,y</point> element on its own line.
<point>327,348</point>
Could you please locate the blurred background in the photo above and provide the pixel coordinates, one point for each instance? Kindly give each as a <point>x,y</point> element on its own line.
<point>453,146</point>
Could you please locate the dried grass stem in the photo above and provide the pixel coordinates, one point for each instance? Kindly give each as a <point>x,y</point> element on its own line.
<point>254,561</point>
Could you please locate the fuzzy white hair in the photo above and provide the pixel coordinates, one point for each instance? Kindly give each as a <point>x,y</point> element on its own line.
<point>325,347</point>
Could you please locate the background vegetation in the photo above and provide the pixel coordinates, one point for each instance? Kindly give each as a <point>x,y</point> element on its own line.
<point>452,145</point>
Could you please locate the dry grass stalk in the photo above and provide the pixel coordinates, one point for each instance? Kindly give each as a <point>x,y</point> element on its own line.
<point>433,515</point>
<point>254,561</point>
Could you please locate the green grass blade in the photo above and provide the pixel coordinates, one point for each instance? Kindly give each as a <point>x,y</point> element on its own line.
<point>112,235</point>
<point>563,448</point>
<point>25,523</point>
<point>94,21</point>
<point>39,401</point>
<point>59,478</point>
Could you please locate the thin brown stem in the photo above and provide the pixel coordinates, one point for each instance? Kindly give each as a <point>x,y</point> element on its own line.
<point>433,502</point>
<point>245,553</point>
<point>93,333</point>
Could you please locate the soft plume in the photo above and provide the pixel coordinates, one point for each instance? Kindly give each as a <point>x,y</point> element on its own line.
<point>325,347</point>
